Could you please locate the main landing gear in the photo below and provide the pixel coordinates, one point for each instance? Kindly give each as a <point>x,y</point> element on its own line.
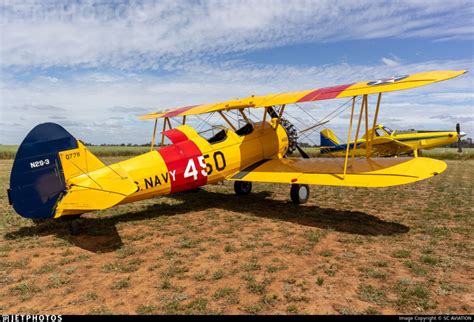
<point>242,188</point>
<point>299,193</point>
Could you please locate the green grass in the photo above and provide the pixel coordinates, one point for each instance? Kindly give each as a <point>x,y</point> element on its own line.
<point>437,153</point>
<point>230,295</point>
<point>9,151</point>
<point>369,293</point>
<point>24,291</point>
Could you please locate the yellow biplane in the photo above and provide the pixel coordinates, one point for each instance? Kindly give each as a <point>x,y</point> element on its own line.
<point>387,143</point>
<point>54,175</point>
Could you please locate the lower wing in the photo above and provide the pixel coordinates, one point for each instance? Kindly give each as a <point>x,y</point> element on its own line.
<point>385,146</point>
<point>375,172</point>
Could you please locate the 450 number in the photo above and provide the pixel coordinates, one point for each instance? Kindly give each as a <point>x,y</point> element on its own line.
<point>206,167</point>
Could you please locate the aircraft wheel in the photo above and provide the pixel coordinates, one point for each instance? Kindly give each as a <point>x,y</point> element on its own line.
<point>299,193</point>
<point>242,188</point>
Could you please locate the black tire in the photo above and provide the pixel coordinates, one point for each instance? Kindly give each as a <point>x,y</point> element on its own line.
<point>242,188</point>
<point>299,193</point>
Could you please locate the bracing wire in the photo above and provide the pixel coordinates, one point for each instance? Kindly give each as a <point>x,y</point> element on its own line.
<point>337,111</point>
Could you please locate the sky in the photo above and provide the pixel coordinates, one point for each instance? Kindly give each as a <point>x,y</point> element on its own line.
<point>95,66</point>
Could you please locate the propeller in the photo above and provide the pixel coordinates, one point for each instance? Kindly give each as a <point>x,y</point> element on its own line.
<point>292,134</point>
<point>460,135</point>
<point>301,151</point>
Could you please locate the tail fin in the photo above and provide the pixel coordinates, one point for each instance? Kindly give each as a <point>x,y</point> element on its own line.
<point>48,156</point>
<point>328,138</point>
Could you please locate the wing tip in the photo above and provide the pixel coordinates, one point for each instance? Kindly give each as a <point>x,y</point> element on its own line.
<point>149,116</point>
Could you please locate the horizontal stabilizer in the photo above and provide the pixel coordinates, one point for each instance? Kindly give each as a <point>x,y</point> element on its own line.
<point>96,190</point>
<point>375,172</point>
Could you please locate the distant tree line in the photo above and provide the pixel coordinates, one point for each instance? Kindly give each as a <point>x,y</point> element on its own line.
<point>120,144</point>
<point>465,143</point>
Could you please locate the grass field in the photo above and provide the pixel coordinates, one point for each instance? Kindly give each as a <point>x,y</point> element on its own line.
<point>9,151</point>
<point>437,153</point>
<point>407,249</point>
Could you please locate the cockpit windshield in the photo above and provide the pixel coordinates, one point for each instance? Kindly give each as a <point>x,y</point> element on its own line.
<point>383,131</point>
<point>389,131</point>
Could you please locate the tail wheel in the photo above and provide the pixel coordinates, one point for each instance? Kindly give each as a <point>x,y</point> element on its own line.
<point>73,224</point>
<point>299,193</point>
<point>242,188</point>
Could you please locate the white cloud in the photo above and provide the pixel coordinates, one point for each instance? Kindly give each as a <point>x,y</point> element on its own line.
<point>101,112</point>
<point>194,45</point>
<point>390,62</point>
<point>166,34</point>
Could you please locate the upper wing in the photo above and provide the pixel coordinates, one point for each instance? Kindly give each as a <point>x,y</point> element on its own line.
<point>354,89</point>
<point>376,172</point>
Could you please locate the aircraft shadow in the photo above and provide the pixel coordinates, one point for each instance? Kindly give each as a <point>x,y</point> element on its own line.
<point>100,234</point>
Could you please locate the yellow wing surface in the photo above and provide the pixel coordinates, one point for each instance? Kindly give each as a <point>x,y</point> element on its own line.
<point>390,84</point>
<point>376,172</point>
<point>385,146</point>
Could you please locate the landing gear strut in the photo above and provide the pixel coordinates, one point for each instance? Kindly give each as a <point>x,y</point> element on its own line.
<point>242,188</point>
<point>299,193</point>
<point>73,224</point>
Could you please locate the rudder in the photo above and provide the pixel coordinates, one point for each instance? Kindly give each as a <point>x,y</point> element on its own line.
<point>46,158</point>
<point>328,138</point>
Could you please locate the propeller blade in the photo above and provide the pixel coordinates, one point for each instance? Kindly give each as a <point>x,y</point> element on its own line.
<point>458,129</point>
<point>301,151</point>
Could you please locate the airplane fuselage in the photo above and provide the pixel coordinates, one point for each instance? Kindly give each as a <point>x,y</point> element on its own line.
<point>411,140</point>
<point>192,161</point>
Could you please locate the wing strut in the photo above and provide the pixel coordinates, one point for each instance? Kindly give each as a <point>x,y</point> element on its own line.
<point>154,134</point>
<point>362,106</point>
<point>349,137</point>
<point>227,120</point>
<point>369,137</point>
<point>374,124</point>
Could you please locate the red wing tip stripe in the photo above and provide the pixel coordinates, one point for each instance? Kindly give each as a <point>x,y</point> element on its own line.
<point>324,93</point>
<point>175,136</point>
<point>178,111</point>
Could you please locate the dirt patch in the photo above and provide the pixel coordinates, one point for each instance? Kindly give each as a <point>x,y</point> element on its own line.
<point>396,250</point>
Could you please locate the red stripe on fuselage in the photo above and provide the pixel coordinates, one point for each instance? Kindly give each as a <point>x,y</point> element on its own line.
<point>175,136</point>
<point>324,93</point>
<point>178,111</point>
<point>177,158</point>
